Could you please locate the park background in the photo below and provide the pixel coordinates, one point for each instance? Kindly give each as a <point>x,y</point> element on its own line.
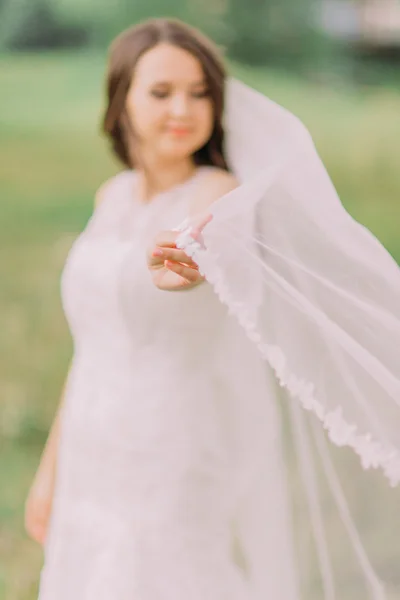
<point>334,63</point>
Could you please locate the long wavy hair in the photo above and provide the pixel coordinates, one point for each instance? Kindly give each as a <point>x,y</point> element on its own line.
<point>124,53</point>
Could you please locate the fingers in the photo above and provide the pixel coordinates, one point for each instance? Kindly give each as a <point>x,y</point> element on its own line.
<point>167,239</point>
<point>164,245</point>
<point>35,526</point>
<point>172,254</point>
<point>38,533</point>
<point>191,275</point>
<point>164,240</point>
<point>198,228</point>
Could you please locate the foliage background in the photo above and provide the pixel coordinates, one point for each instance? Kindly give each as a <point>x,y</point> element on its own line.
<point>52,58</point>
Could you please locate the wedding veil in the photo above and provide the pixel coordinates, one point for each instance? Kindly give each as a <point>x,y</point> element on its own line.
<point>320,297</point>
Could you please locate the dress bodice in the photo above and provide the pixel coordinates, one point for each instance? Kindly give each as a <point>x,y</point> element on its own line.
<point>164,423</point>
<point>108,295</point>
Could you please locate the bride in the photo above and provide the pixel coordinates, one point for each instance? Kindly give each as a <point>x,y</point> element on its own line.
<point>165,474</point>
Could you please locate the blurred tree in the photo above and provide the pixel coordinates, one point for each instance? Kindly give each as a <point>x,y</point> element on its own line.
<point>263,31</point>
<point>34,24</point>
<point>246,34</point>
<point>12,17</point>
<point>256,31</point>
<point>103,19</point>
<point>28,24</point>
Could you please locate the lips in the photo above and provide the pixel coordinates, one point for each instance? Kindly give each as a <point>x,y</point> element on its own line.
<point>179,130</point>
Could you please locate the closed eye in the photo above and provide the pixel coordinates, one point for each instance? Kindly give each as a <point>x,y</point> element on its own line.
<point>201,94</point>
<point>159,94</point>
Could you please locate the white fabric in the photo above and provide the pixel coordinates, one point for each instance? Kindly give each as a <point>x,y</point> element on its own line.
<point>164,450</point>
<point>172,479</point>
<point>315,292</point>
<point>311,272</point>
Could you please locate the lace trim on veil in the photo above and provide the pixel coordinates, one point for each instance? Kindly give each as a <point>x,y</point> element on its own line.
<point>373,453</point>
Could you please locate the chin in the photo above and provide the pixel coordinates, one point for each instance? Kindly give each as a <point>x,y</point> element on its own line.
<point>180,148</point>
<point>181,152</point>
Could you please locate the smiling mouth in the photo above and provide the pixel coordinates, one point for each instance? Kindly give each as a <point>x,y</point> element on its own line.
<point>179,131</point>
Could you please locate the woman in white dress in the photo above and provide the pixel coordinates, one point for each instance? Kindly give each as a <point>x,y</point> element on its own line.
<point>163,477</point>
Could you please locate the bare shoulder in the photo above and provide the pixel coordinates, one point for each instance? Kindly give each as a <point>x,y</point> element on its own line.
<point>109,184</point>
<point>100,193</point>
<point>219,181</point>
<point>215,184</point>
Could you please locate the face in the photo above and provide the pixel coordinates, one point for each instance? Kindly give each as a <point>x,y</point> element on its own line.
<point>168,103</point>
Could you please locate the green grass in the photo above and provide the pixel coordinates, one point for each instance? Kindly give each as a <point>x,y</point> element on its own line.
<point>51,162</point>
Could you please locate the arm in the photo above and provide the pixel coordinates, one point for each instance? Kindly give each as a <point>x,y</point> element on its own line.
<point>171,269</point>
<point>39,501</point>
<point>49,455</point>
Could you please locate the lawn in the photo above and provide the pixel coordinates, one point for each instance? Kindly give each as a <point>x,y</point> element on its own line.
<point>51,162</point>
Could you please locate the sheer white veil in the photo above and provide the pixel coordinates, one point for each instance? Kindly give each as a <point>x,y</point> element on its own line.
<point>320,297</point>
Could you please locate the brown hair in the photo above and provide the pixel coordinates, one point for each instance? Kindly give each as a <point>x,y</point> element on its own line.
<point>124,53</point>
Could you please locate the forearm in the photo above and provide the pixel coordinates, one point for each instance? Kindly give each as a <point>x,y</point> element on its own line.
<point>49,455</point>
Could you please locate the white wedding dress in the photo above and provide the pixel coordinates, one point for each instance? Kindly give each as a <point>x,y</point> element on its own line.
<point>167,440</point>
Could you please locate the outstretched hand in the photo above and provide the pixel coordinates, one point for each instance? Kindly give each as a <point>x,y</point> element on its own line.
<point>170,267</point>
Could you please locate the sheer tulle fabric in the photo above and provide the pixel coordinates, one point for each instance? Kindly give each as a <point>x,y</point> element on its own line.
<point>318,295</point>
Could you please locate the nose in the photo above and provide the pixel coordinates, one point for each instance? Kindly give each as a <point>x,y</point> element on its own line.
<point>180,105</point>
